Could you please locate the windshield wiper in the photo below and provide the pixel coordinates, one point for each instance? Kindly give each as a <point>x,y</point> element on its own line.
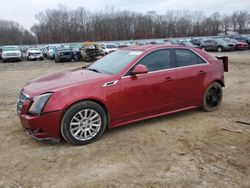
<point>94,70</point>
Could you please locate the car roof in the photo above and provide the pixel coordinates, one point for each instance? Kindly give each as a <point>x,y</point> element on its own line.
<point>154,47</point>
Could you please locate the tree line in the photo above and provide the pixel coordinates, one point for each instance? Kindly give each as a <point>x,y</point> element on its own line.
<point>12,33</point>
<point>74,25</point>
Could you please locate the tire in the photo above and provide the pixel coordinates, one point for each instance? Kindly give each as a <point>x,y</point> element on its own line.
<point>77,127</point>
<point>219,49</point>
<point>212,97</point>
<point>203,48</point>
<point>76,58</point>
<point>57,60</point>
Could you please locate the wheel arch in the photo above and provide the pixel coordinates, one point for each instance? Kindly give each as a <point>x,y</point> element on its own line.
<point>220,82</point>
<point>99,102</point>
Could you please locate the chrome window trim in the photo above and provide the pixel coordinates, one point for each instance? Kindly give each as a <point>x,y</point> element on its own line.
<point>173,68</point>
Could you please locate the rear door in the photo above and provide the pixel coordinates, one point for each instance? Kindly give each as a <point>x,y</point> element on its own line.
<point>191,71</point>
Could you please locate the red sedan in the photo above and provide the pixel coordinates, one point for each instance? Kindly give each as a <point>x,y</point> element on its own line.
<point>129,85</point>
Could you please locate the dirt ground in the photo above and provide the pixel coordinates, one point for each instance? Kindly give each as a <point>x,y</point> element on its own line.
<point>187,149</point>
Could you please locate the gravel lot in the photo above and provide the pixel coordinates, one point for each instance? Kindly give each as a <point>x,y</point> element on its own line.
<point>187,149</point>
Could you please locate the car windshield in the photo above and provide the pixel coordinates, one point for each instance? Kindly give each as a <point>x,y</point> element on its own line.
<point>63,49</point>
<point>52,47</point>
<point>230,40</point>
<point>115,62</point>
<point>110,46</point>
<point>188,43</point>
<point>220,40</point>
<point>75,46</point>
<point>34,49</point>
<point>10,48</point>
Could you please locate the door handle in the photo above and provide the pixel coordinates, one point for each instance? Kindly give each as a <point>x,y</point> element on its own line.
<point>168,79</point>
<point>201,72</point>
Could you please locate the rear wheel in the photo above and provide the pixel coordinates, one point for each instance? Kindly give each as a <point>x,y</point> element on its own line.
<point>83,123</point>
<point>212,97</point>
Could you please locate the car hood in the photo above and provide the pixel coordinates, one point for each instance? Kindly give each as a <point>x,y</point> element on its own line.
<point>8,52</point>
<point>34,51</point>
<point>61,80</point>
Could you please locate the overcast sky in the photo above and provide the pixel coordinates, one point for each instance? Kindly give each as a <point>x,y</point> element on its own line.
<point>24,11</point>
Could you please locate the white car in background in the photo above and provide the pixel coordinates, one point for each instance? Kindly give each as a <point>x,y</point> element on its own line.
<point>108,48</point>
<point>34,54</point>
<point>11,53</point>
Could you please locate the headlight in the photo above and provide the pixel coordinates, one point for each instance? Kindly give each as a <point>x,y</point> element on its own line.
<point>38,103</point>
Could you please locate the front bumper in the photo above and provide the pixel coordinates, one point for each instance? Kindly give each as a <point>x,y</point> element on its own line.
<point>11,58</point>
<point>33,57</point>
<point>43,127</point>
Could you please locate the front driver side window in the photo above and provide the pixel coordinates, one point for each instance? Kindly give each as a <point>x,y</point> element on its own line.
<point>157,60</point>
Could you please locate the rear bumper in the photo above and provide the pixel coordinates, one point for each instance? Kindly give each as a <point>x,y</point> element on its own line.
<point>44,127</point>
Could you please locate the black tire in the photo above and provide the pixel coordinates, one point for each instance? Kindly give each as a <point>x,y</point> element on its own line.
<point>76,58</point>
<point>66,127</point>
<point>57,60</point>
<point>212,97</point>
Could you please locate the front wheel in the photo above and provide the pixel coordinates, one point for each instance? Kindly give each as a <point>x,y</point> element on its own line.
<point>203,48</point>
<point>212,97</point>
<point>83,123</point>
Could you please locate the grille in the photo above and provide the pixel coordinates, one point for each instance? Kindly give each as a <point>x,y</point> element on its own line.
<point>22,98</point>
<point>11,54</point>
<point>34,54</point>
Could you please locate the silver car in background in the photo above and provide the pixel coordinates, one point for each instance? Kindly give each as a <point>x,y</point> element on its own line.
<point>34,54</point>
<point>11,53</point>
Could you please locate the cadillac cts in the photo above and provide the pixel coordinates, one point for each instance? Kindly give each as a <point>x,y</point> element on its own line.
<point>129,85</point>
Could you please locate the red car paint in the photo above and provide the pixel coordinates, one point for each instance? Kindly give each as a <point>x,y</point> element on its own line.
<point>130,99</point>
<point>241,46</point>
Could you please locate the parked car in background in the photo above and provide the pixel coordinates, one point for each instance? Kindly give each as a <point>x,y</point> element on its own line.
<point>241,39</point>
<point>124,45</point>
<point>196,42</point>
<point>51,52</point>
<point>1,50</point>
<point>171,41</point>
<point>44,50</point>
<point>237,44</point>
<point>76,49</point>
<point>217,44</point>
<point>63,54</point>
<point>11,53</point>
<point>109,48</point>
<point>34,54</point>
<point>189,44</point>
<point>126,86</point>
<point>91,51</point>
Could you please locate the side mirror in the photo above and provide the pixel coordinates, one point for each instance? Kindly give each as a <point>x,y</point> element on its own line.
<point>139,69</point>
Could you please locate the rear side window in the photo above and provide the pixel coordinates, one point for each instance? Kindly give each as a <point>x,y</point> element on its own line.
<point>185,57</point>
<point>158,60</point>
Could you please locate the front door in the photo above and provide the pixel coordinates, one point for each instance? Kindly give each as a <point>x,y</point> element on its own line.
<point>151,93</point>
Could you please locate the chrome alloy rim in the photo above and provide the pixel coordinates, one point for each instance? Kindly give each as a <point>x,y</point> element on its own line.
<point>85,124</point>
